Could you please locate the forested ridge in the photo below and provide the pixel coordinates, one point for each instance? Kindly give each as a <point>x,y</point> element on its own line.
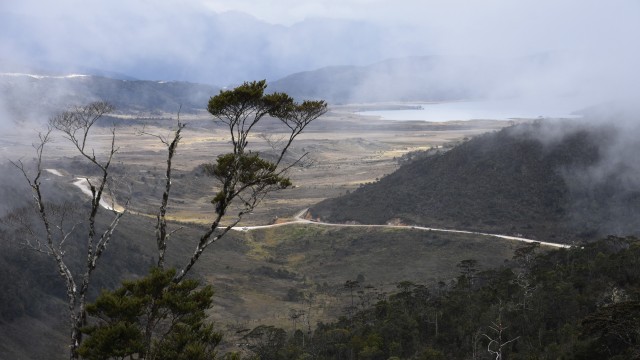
<point>578,303</point>
<point>514,181</point>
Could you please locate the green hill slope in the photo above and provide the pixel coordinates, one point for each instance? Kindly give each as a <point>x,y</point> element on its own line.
<point>516,181</point>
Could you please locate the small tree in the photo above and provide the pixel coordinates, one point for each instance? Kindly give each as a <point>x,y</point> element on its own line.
<point>524,257</point>
<point>244,176</point>
<point>468,269</point>
<point>496,336</point>
<point>267,342</point>
<point>58,224</point>
<point>126,317</point>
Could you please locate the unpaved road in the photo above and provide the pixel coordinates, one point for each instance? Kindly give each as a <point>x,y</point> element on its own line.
<point>298,219</point>
<point>82,184</point>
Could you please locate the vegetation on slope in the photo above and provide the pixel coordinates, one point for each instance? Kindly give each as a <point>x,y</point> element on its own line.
<point>514,181</point>
<point>258,277</point>
<point>578,303</point>
<point>21,95</point>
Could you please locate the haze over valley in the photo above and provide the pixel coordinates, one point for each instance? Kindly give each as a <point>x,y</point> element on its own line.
<point>442,180</point>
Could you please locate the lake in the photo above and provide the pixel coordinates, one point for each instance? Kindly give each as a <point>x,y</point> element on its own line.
<point>474,110</point>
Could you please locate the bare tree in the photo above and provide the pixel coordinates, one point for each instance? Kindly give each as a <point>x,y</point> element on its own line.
<point>497,342</point>
<point>162,234</point>
<point>475,341</point>
<point>468,268</point>
<point>76,125</point>
<point>523,257</point>
<point>524,281</point>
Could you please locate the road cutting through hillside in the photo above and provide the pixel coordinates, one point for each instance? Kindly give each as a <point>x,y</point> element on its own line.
<point>106,202</point>
<point>83,185</point>
<point>298,219</point>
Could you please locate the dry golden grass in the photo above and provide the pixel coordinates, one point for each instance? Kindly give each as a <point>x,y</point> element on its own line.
<point>321,259</point>
<point>345,150</point>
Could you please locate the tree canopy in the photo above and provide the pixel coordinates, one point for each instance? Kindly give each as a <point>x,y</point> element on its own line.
<point>153,318</point>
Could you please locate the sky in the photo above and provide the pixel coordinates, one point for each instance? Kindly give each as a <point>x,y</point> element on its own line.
<point>224,42</point>
<point>506,24</point>
<point>471,27</point>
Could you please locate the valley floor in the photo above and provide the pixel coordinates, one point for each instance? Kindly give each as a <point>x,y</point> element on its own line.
<point>345,150</point>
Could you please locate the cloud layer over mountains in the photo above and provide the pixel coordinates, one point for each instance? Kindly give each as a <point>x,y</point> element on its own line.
<point>225,42</point>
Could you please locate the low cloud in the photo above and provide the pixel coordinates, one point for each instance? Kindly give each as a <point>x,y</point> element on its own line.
<point>193,40</point>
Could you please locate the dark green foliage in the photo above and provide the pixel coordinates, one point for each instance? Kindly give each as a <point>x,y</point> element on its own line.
<point>280,273</point>
<point>245,174</point>
<point>268,342</point>
<point>251,170</point>
<point>117,340</point>
<point>581,303</point>
<point>514,181</point>
<point>152,317</point>
<point>615,330</point>
<point>294,295</point>
<point>246,98</point>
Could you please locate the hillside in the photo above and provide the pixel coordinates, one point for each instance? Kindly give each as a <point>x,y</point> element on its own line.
<point>417,78</point>
<point>546,181</point>
<point>404,79</point>
<point>25,96</point>
<point>580,303</point>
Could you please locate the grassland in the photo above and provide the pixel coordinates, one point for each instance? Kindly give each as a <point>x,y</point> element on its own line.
<point>262,275</point>
<point>344,150</point>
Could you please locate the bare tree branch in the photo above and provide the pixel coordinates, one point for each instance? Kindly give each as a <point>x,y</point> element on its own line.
<point>162,235</point>
<point>75,125</point>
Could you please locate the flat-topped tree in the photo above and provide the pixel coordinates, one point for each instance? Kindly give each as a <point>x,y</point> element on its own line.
<point>244,176</point>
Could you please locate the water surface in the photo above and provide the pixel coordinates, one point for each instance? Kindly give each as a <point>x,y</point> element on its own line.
<point>476,110</point>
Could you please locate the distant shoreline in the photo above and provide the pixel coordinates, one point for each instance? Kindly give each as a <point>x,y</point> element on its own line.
<point>464,110</point>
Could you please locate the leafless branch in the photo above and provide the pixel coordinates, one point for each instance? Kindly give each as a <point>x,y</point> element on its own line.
<point>75,125</point>
<point>162,236</point>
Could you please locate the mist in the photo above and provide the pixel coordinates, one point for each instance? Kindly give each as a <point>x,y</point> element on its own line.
<point>538,53</point>
<point>574,48</point>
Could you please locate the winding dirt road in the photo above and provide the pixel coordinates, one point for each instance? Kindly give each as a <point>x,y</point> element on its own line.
<point>106,201</point>
<point>298,219</point>
<point>83,185</point>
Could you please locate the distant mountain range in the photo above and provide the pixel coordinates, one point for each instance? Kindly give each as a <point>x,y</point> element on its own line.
<point>211,48</point>
<point>404,79</point>
<point>553,181</point>
<point>427,78</point>
<point>24,97</point>
<point>27,93</point>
